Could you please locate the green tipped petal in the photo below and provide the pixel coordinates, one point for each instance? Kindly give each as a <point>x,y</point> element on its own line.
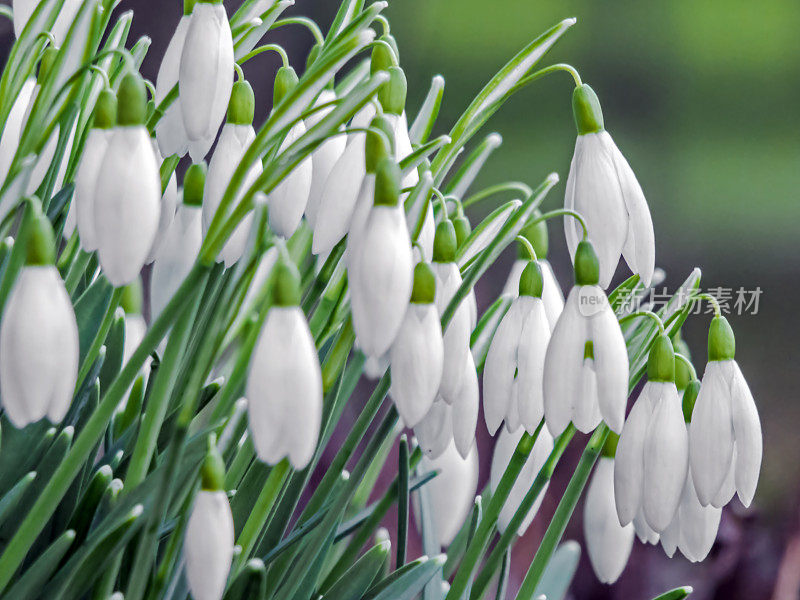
<point>463,229</point>
<point>383,57</point>
<point>188,6</point>
<point>41,249</point>
<point>242,105</point>
<point>131,101</point>
<point>531,281</point>
<point>587,265</point>
<point>387,183</point>
<point>285,81</point>
<point>721,341</point>
<point>212,473</point>
<point>392,94</point>
<point>194,183</point>
<point>376,149</point>
<point>105,110</point>
<point>286,285</point>
<point>661,362</point>
<point>689,398</point>
<point>586,110</point>
<point>424,290</point>
<point>444,242</point>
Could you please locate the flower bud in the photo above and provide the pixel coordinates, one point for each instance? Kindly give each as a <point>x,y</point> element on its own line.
<point>105,110</point>
<point>387,183</point>
<point>208,547</point>
<point>462,229</point>
<point>383,57</point>
<point>586,110</point>
<point>392,94</point>
<point>444,242</point>
<point>375,144</point>
<point>212,472</point>
<point>41,249</point>
<point>536,234</point>
<point>721,341</point>
<point>194,183</point>
<point>131,101</point>
<point>423,290</point>
<point>285,81</point>
<point>587,266</point>
<point>531,281</point>
<point>661,362</point>
<point>241,107</point>
<point>286,285</point>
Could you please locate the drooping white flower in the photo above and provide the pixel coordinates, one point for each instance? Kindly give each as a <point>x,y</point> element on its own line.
<point>513,373</point>
<point>169,205</point>
<point>465,408</point>
<point>503,451</point>
<point>552,296</point>
<point>608,543</point>
<point>237,135</point>
<point>288,200</point>
<point>181,242</point>
<point>170,131</point>
<point>586,365</point>
<point>380,267</point>
<point>284,385</point>
<point>23,10</point>
<point>38,336</point>
<point>208,546</point>
<point>603,188</point>
<point>725,435</point>
<point>653,452</point>
<point>15,122</point>
<point>457,332</point>
<point>205,75</point>
<point>128,192</point>
<point>435,431</point>
<point>451,493</point>
<point>417,353</point>
<point>323,158</point>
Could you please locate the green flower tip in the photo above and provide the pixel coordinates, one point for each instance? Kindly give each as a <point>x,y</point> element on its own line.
<point>424,290</point>
<point>587,265</point>
<point>212,473</point>
<point>387,183</point>
<point>530,281</point>
<point>286,285</point>
<point>383,57</point>
<point>105,110</point>
<point>46,64</point>
<point>194,182</point>
<point>41,244</point>
<point>610,447</point>
<point>131,100</point>
<point>721,341</point>
<point>689,398</point>
<point>392,94</point>
<point>131,300</point>
<point>661,362</point>
<point>242,105</point>
<point>375,147</point>
<point>463,229</point>
<point>444,242</point>
<point>285,81</point>
<point>588,350</point>
<point>536,234</point>
<point>586,110</point>
<point>188,6</point>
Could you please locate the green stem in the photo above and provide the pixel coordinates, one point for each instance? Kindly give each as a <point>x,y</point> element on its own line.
<point>509,186</point>
<point>562,212</point>
<point>305,22</point>
<point>644,313</point>
<point>563,513</point>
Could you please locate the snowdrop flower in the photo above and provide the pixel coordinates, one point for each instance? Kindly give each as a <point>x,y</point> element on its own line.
<point>417,353</point>
<point>503,451</point>
<point>105,117</point>
<point>181,243</point>
<point>237,135</point>
<point>608,543</point>
<point>513,373</point>
<point>169,204</point>
<point>23,10</point>
<point>465,408</point>
<point>15,122</point>
<point>208,547</point>
<point>380,267</point>
<point>288,200</point>
<point>457,332</point>
<point>38,335</point>
<point>451,493</point>
<point>128,190</point>
<point>725,435</point>
<point>284,386</point>
<point>552,296</point>
<point>586,365</point>
<point>170,131</point>
<point>323,158</point>
<point>653,452</point>
<point>135,325</point>
<point>435,431</point>
<point>205,75</point>
<point>603,188</point>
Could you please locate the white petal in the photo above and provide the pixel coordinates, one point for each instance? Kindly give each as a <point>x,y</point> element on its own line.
<point>170,132</point>
<point>552,295</point>
<point>671,536</point>
<point>629,462</point>
<point>608,543</point>
<point>747,435</point>
<point>288,200</point>
<point>323,159</point>
<point>85,184</point>
<point>435,431</point>
<point>9,142</point>
<point>699,524</point>
<point>465,409</point>
<point>169,204</point>
<point>208,547</point>
<point>501,364</point>
<point>586,412</point>
<point>728,489</point>
<point>611,366</point>
<point>511,287</point>
<point>642,529</point>
<point>530,357</point>
<point>457,334</point>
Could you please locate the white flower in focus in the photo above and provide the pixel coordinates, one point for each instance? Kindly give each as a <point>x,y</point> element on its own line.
<point>288,200</point>
<point>552,296</point>
<point>323,158</point>
<point>284,385</point>
<point>205,75</point>
<point>128,192</point>
<point>503,451</point>
<point>608,543</point>
<point>170,131</point>
<point>603,188</point>
<point>586,365</point>
<point>725,435</point>
<point>465,408</point>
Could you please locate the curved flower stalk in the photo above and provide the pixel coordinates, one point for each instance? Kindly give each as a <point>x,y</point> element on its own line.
<point>181,244</point>
<point>417,353</point>
<point>23,10</point>
<point>170,131</point>
<point>169,206</point>
<point>287,202</point>
<point>284,384</point>
<point>513,373</point>
<point>380,267</point>
<point>237,135</point>
<point>128,190</point>
<point>725,436</point>
<point>552,296</point>
<point>15,123</point>
<point>205,75</point>
<point>457,333</point>
<point>451,493</point>
<point>503,451</point>
<point>208,547</point>
<point>105,118</point>
<point>603,188</point>
<point>608,543</point>
<point>653,452</point>
<point>38,335</point>
<point>586,365</point>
